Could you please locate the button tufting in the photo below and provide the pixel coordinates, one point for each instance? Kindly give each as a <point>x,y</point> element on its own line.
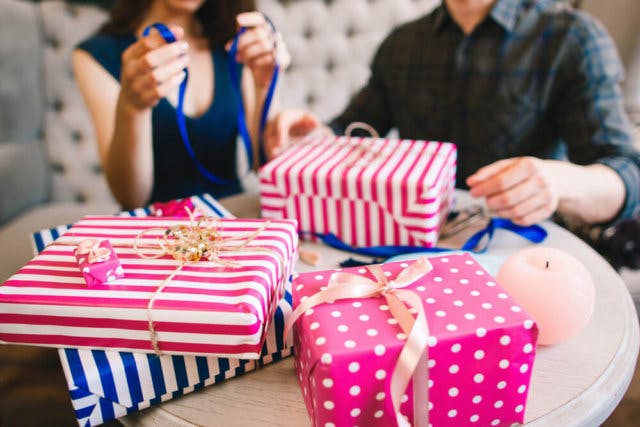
<point>330,65</point>
<point>80,197</point>
<point>97,169</point>
<point>310,99</point>
<point>308,33</point>
<point>76,135</point>
<point>53,42</point>
<point>57,168</point>
<point>57,105</point>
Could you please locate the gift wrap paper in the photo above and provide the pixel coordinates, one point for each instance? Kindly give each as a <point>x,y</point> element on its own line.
<point>481,350</point>
<point>368,192</point>
<point>206,309</point>
<point>105,385</point>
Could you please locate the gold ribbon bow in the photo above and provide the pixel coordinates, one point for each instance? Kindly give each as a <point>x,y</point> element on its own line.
<point>412,361</point>
<point>91,248</point>
<point>190,243</point>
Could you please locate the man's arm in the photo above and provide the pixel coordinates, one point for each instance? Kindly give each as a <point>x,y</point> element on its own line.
<point>601,180</point>
<point>590,117</point>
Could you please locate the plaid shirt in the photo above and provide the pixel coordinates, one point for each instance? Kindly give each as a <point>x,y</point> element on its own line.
<point>534,78</point>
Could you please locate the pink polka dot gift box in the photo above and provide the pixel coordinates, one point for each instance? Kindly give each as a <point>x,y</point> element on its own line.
<point>480,347</point>
<point>365,191</point>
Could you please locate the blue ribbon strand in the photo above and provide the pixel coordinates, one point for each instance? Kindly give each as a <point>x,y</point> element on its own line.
<point>234,69</point>
<point>478,243</point>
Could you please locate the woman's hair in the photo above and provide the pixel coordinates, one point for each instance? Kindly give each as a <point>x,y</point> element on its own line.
<point>216,16</point>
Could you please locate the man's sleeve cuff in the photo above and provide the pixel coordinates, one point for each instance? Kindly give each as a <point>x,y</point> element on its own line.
<point>629,171</point>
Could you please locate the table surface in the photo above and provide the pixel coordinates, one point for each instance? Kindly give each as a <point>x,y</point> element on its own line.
<point>576,383</point>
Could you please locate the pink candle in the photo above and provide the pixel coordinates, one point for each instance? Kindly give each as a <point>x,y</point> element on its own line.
<point>553,287</point>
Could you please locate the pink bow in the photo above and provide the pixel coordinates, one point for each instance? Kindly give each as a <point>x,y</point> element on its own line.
<point>177,208</point>
<point>414,354</point>
<point>94,252</point>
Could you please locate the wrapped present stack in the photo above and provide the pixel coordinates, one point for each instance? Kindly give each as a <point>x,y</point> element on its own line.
<point>54,301</point>
<point>365,191</point>
<point>220,305</point>
<point>141,315</point>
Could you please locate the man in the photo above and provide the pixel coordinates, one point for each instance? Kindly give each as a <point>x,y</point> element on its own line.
<point>515,84</point>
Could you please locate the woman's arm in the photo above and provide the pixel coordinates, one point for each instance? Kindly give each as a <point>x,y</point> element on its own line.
<point>121,112</point>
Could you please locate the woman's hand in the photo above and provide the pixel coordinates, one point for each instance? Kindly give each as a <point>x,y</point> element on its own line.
<point>259,48</point>
<point>522,189</point>
<point>152,68</point>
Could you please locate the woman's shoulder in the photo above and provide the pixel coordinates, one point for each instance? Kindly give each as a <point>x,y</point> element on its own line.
<point>107,50</point>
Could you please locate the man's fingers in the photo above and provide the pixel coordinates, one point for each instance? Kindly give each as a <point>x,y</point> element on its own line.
<point>487,171</point>
<point>516,171</point>
<point>532,203</point>
<point>515,195</point>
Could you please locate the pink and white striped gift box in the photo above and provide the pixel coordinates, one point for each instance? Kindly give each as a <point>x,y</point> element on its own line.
<point>206,309</point>
<point>366,191</point>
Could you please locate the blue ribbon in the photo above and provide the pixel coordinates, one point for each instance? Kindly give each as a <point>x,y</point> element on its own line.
<point>477,243</point>
<point>234,69</point>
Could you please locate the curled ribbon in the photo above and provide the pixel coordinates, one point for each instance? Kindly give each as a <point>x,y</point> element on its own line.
<point>412,361</point>
<point>91,248</point>
<point>189,243</point>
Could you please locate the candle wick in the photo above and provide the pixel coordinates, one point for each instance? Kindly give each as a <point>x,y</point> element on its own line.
<point>547,266</point>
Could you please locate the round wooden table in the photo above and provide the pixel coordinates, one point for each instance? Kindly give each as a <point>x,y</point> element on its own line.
<point>576,383</point>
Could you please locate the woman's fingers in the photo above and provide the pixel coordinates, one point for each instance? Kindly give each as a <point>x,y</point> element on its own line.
<point>255,42</point>
<point>163,73</point>
<point>151,68</point>
<point>250,19</point>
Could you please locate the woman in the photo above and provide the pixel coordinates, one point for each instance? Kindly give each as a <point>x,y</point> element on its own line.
<point>130,86</point>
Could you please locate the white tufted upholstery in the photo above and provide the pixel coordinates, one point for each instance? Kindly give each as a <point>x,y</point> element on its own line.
<point>331,44</point>
<point>69,141</point>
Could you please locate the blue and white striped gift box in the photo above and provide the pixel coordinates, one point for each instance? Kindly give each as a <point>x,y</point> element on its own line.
<point>105,385</point>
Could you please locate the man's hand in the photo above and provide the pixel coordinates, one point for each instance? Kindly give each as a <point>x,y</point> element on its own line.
<point>521,189</point>
<point>287,126</point>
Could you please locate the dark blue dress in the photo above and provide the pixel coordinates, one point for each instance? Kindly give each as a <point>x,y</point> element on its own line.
<point>212,135</point>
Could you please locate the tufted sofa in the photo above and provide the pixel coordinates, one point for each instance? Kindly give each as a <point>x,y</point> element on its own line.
<point>49,169</point>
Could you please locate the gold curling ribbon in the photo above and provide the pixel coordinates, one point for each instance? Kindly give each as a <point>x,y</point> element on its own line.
<point>190,243</point>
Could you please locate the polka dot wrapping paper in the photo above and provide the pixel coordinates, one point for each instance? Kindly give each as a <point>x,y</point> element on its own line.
<point>481,350</point>
<point>366,191</point>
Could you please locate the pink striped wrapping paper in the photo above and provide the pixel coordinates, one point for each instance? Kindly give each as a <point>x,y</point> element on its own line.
<point>206,309</point>
<point>366,191</point>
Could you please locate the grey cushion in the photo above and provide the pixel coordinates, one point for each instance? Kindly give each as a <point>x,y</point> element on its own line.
<point>21,86</point>
<point>24,177</point>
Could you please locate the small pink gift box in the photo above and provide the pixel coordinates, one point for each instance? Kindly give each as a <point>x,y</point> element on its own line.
<point>98,262</point>
<point>481,350</point>
<point>365,191</point>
